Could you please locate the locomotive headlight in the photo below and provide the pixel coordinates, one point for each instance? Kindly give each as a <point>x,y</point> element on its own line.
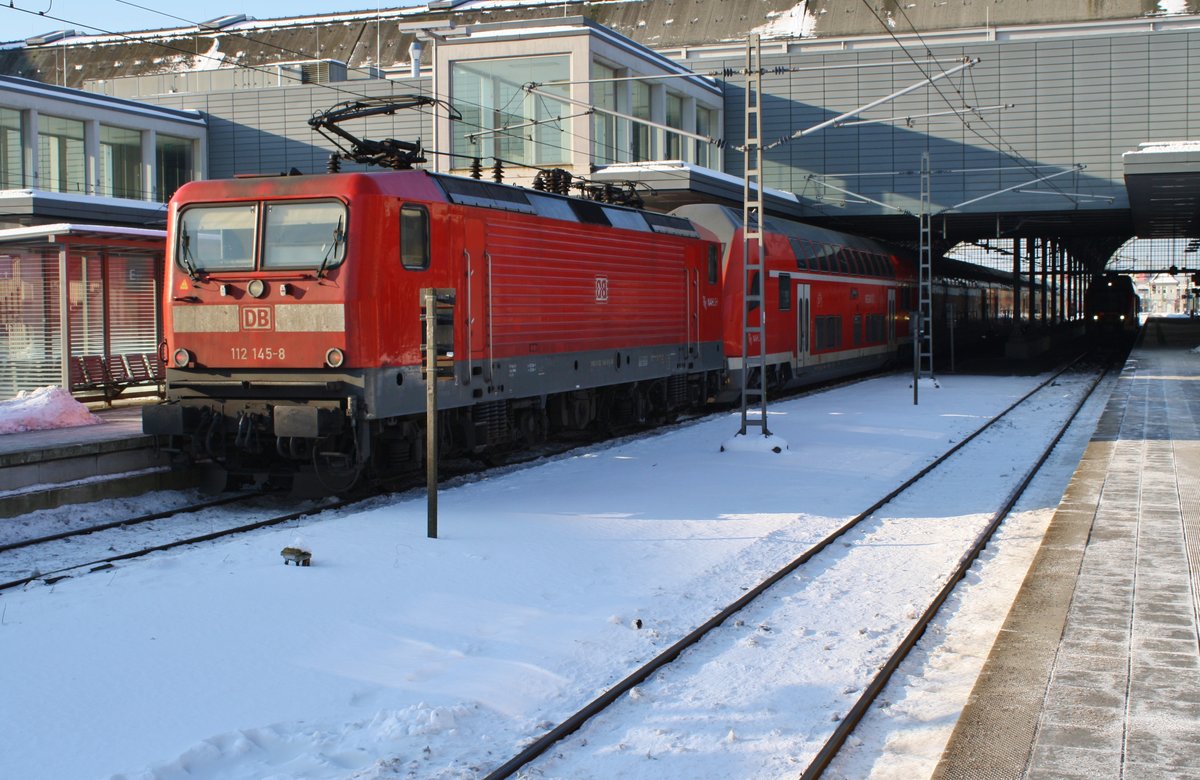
<point>1095,316</point>
<point>257,288</point>
<point>1122,318</point>
<point>181,358</point>
<point>334,358</point>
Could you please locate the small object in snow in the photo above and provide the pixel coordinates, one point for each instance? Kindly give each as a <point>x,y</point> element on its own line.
<point>637,622</point>
<point>731,737</point>
<point>296,555</point>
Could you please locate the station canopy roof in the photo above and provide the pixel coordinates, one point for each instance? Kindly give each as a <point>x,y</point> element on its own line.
<point>1163,181</point>
<point>86,238</point>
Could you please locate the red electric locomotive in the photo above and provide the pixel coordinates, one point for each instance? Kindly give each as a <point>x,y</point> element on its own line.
<point>292,312</point>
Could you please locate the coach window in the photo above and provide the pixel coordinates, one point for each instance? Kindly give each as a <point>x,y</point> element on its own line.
<point>713,268</point>
<point>785,292</point>
<point>414,237</point>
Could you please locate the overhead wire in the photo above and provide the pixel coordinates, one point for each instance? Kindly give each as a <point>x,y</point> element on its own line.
<point>341,89</point>
<point>1018,156</point>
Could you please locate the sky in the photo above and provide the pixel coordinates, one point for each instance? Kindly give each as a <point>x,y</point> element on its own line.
<point>22,20</point>
<point>397,656</point>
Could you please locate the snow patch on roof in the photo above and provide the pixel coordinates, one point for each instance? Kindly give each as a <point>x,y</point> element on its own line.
<point>211,59</point>
<point>1170,7</point>
<point>1160,147</point>
<point>796,22</point>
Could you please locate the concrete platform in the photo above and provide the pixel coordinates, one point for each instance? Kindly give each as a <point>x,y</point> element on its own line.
<point>1096,672</point>
<point>46,469</point>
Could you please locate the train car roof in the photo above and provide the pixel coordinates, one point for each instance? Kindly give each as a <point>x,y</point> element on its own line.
<point>506,197</point>
<point>725,221</point>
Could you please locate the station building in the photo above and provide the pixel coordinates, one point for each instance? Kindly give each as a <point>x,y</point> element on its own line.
<point>1073,128</point>
<point>84,181</point>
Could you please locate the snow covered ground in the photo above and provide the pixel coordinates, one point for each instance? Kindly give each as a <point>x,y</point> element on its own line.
<point>398,656</point>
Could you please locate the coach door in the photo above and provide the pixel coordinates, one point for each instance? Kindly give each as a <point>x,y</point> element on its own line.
<point>475,265</point>
<point>891,318</point>
<point>803,326</point>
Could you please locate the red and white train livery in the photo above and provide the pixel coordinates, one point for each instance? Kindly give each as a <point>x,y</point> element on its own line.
<point>292,312</point>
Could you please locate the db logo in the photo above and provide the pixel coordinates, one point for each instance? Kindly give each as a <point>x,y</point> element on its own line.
<point>601,289</point>
<point>256,318</point>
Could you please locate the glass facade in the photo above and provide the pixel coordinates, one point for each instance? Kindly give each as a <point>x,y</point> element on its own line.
<point>11,169</point>
<point>639,134</point>
<point>674,147</point>
<point>604,129</point>
<point>173,159</point>
<point>491,98</point>
<point>120,162</point>
<point>61,157</point>
<point>706,120</point>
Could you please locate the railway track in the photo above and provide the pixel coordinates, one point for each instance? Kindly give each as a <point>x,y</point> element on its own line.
<point>784,590</point>
<point>54,557</point>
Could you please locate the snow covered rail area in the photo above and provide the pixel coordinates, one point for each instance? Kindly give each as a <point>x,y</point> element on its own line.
<point>791,627</point>
<point>52,556</point>
<point>397,656</point>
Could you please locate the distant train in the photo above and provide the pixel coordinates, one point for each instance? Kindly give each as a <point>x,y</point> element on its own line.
<point>1112,306</point>
<point>292,313</point>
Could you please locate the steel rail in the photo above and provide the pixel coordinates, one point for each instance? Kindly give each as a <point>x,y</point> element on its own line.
<point>91,529</point>
<point>52,577</point>
<point>860,708</point>
<point>610,696</point>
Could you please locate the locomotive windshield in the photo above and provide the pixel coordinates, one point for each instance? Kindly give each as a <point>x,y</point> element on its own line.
<point>216,238</point>
<point>295,235</point>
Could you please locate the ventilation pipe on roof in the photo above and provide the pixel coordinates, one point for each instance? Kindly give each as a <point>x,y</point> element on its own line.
<point>415,49</point>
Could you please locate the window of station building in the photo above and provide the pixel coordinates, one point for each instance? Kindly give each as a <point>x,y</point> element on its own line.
<point>639,134</point>
<point>120,162</point>
<point>706,121</point>
<point>173,162</point>
<point>604,126</point>
<point>61,158</point>
<point>414,237</point>
<point>674,145</point>
<point>490,95</point>
<point>11,167</point>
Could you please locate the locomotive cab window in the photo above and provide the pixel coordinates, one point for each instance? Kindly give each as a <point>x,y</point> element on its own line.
<point>216,239</point>
<point>304,235</point>
<point>414,237</point>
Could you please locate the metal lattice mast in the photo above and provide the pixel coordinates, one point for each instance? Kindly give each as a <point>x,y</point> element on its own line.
<point>753,336</point>
<point>925,278</point>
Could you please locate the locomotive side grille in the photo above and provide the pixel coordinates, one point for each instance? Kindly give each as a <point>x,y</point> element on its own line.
<point>677,390</point>
<point>491,421</point>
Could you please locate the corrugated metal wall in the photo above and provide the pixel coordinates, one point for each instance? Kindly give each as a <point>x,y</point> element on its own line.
<point>266,130</point>
<point>1077,100</point>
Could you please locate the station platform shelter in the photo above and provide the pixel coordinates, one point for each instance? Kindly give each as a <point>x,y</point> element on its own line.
<point>78,309</point>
